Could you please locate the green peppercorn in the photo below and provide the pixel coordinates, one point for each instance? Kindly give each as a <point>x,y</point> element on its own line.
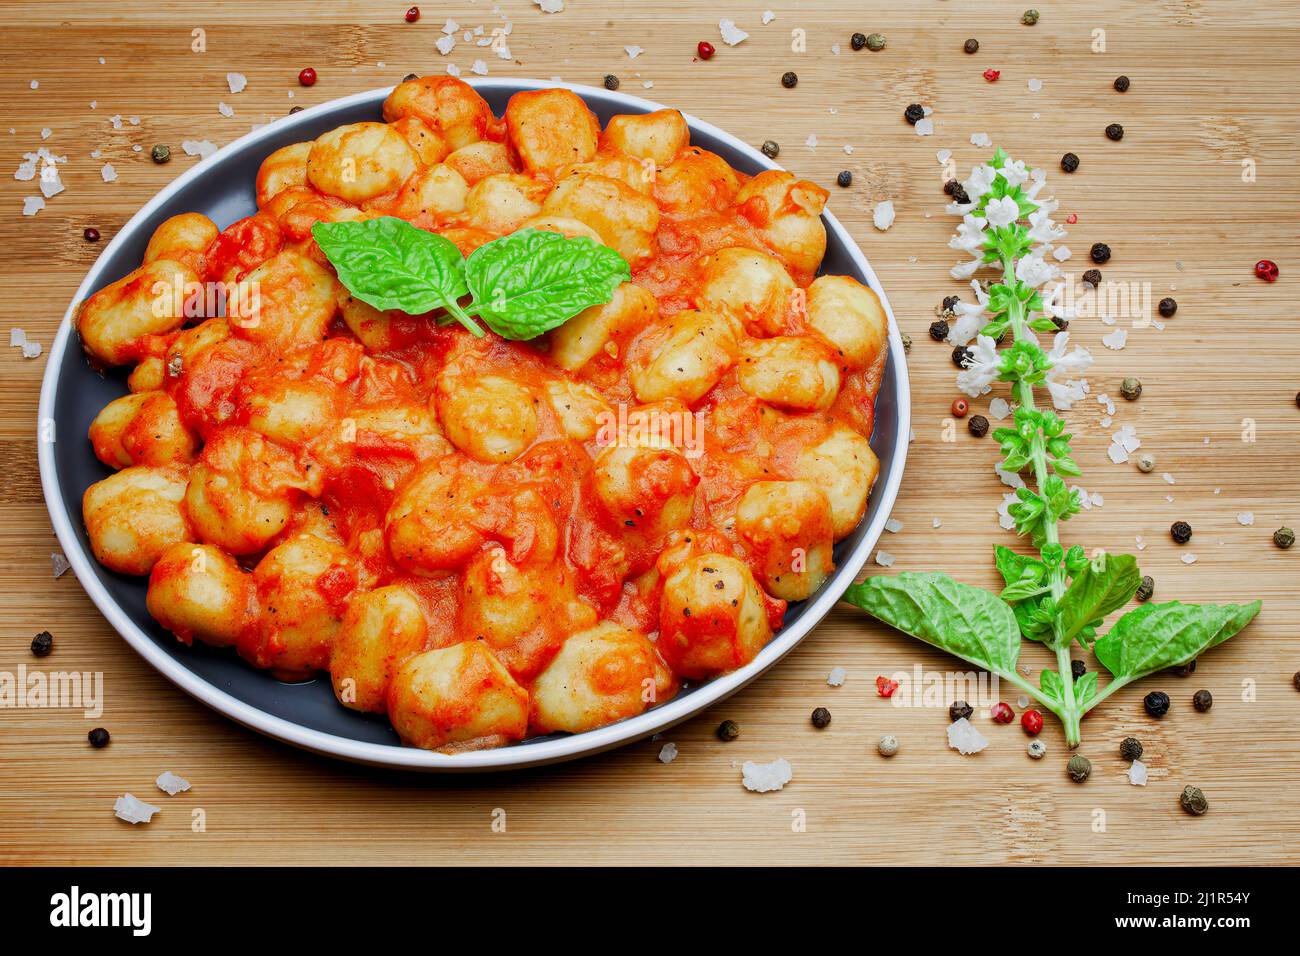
<point>1202,700</point>
<point>845,179</point>
<point>1099,253</point>
<point>1079,768</point>
<point>1130,748</point>
<point>971,46</point>
<point>1146,462</point>
<point>907,343</point>
<point>611,81</point>
<point>821,718</point>
<point>978,426</point>
<point>1156,703</point>
<point>771,149</point>
<point>1078,669</point>
<point>42,644</point>
<point>1284,538</point>
<point>789,79</point>
<point>1121,84</point>
<point>160,154</point>
<point>1167,307</point>
<point>1115,132</point>
<point>1146,588</point>
<point>876,42</point>
<point>98,738</point>
<point>1036,749</point>
<point>858,41</point>
<point>1092,277</point>
<point>1181,532</point>
<point>1193,801</point>
<point>1069,163</point>
<point>1029,17</point>
<point>939,330</point>
<point>888,745</point>
<point>1131,389</point>
<point>959,710</point>
<point>728,730</point>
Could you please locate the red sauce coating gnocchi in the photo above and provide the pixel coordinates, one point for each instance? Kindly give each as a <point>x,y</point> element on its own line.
<point>487,539</point>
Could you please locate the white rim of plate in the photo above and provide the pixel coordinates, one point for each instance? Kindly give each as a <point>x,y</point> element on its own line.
<point>516,756</point>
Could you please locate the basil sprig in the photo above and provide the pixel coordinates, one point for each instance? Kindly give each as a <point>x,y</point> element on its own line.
<point>520,285</point>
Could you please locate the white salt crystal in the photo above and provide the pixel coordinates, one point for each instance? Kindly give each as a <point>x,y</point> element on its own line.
<point>883,216</point>
<point>225,109</point>
<point>32,205</point>
<point>108,172</point>
<point>936,523</point>
<point>479,68</point>
<point>999,408</point>
<point>1169,479</point>
<point>668,753</point>
<point>811,141</point>
<point>237,82</point>
<point>885,559</point>
<point>1189,559</point>
<point>1061,253</point>
<point>943,156</point>
<point>31,349</point>
<point>450,27</point>
<point>58,564</point>
<point>848,150</point>
<point>964,738</point>
<point>201,148</point>
<point>893,526</point>
<point>1246,518</point>
<point>45,132</point>
<point>550,6</point>
<point>1035,86</point>
<point>445,44</point>
<point>1116,340</point>
<point>1022,701</point>
<point>768,17</point>
<point>924,127</point>
<point>1137,773</point>
<point>1141,543</point>
<point>731,34</point>
<point>762,777</point>
<point>633,51</point>
<point>835,49</point>
<point>133,810</point>
<point>980,139</point>
<point>648,84</point>
<point>836,677</point>
<point>17,337</point>
<point>171,783</point>
<point>116,120</point>
<point>1011,479</point>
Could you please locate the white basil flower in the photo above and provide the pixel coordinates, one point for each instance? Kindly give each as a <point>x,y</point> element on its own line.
<point>1015,173</point>
<point>1033,270</point>
<point>1002,212</point>
<point>982,368</point>
<point>971,316</point>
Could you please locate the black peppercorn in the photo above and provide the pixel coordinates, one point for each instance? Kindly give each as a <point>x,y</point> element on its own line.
<point>1183,670</point>
<point>1167,307</point>
<point>1078,669</point>
<point>1181,532</point>
<point>961,355</point>
<point>789,79</point>
<point>1193,801</point>
<point>1099,253</point>
<point>844,179</point>
<point>939,330</point>
<point>1156,703</point>
<point>771,149</point>
<point>959,710</point>
<point>91,234</point>
<point>1202,700</point>
<point>978,426</point>
<point>1092,277</point>
<point>160,154</point>
<point>1284,538</point>
<point>409,77</point>
<point>949,303</point>
<point>728,730</point>
<point>959,195</point>
<point>1121,84</point>
<point>42,644</point>
<point>821,718</point>
<point>1060,323</point>
<point>1115,131</point>
<point>971,46</point>
<point>1079,768</point>
<point>1130,748</point>
<point>1146,588</point>
<point>950,187</point>
<point>858,41</point>
<point>295,109</point>
<point>914,113</point>
<point>98,737</point>
<point>1069,163</point>
<point>611,81</point>
<point>1296,680</point>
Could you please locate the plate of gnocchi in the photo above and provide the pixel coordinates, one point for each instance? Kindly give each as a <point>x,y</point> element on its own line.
<point>469,427</point>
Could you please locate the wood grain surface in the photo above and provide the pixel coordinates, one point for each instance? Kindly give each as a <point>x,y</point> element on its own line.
<point>1213,85</point>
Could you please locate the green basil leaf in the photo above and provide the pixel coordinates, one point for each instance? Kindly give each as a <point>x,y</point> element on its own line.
<point>1021,590</point>
<point>1067,467</point>
<point>531,281</point>
<point>1085,688</point>
<point>1049,682</point>
<point>1014,567</point>
<point>963,620</point>
<point>1155,636</point>
<point>390,264</point>
<point>1096,591</point>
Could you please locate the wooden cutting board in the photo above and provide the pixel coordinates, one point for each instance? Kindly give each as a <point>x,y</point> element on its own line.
<point>1212,95</point>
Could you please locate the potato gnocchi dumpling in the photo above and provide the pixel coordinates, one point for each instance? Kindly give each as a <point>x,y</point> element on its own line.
<point>487,539</point>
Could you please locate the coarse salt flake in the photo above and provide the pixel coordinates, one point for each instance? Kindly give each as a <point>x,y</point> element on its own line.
<point>17,337</point>
<point>1246,518</point>
<point>634,51</point>
<point>999,408</point>
<point>768,17</point>
<point>225,109</point>
<point>1137,773</point>
<point>108,172</point>
<point>884,558</point>
<point>980,139</point>
<point>479,68</point>
<point>171,783</point>
<point>31,349</point>
<point>764,777</point>
<point>836,677</point>
<point>550,6</point>
<point>201,148</point>
<point>1035,85</point>
<point>811,141</point>
<point>1116,340</point>
<point>731,34</point>
<point>32,205</point>
<point>59,564</point>
<point>893,526</point>
<point>924,127</point>
<point>943,156</point>
<point>964,738</point>
<point>236,82</point>
<point>453,69</point>
<point>882,217</point>
<point>450,27</point>
<point>445,44</point>
<point>133,810</point>
<point>668,753</point>
<point>1189,559</point>
<point>936,523</point>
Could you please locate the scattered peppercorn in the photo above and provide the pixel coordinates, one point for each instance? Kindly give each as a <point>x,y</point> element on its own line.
<point>1156,703</point>
<point>1193,801</point>
<point>845,179</point>
<point>1115,131</point>
<point>821,718</point>
<point>611,81</point>
<point>886,687</point>
<point>1146,462</point>
<point>307,76</point>
<point>1181,532</point>
<point>914,113</point>
<point>789,79</point>
<point>1130,748</point>
<point>42,644</point>
<point>949,303</point>
<point>160,154</point>
<point>1146,589</point>
<point>1029,17</point>
<point>858,41</point>
<point>907,343</point>
<point>1069,163</point>
<point>992,75</point>
<point>728,730</point>
<point>1002,713</point>
<point>771,148</point>
<point>412,14</point>
<point>1078,669</point>
<point>957,191</point>
<point>1184,670</point>
<point>1284,538</point>
<point>961,709</point>
<point>1267,270</point>
<point>1202,700</point>
<point>939,330</point>
<point>1060,323</point>
<point>1121,84</point>
<point>1099,253</point>
<point>876,42</point>
<point>1296,680</point>
<point>1036,749</point>
<point>705,50</point>
<point>91,234</point>
<point>1079,768</point>
<point>978,426</point>
<point>1131,389</point>
<point>1167,307</point>
<point>888,745</point>
<point>408,78</point>
<point>1092,277</point>
<point>961,355</point>
<point>98,738</point>
<point>1032,722</point>
<point>971,46</point>
<point>960,407</point>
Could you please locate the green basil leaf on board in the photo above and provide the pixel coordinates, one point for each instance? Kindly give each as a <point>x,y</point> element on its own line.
<point>390,264</point>
<point>1098,588</point>
<point>531,281</point>
<point>1050,683</point>
<point>1156,636</point>
<point>958,618</point>
<point>1085,688</point>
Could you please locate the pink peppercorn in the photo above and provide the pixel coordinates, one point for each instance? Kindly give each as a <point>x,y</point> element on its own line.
<point>992,75</point>
<point>1266,269</point>
<point>886,687</point>
<point>307,76</point>
<point>1032,721</point>
<point>1002,713</point>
